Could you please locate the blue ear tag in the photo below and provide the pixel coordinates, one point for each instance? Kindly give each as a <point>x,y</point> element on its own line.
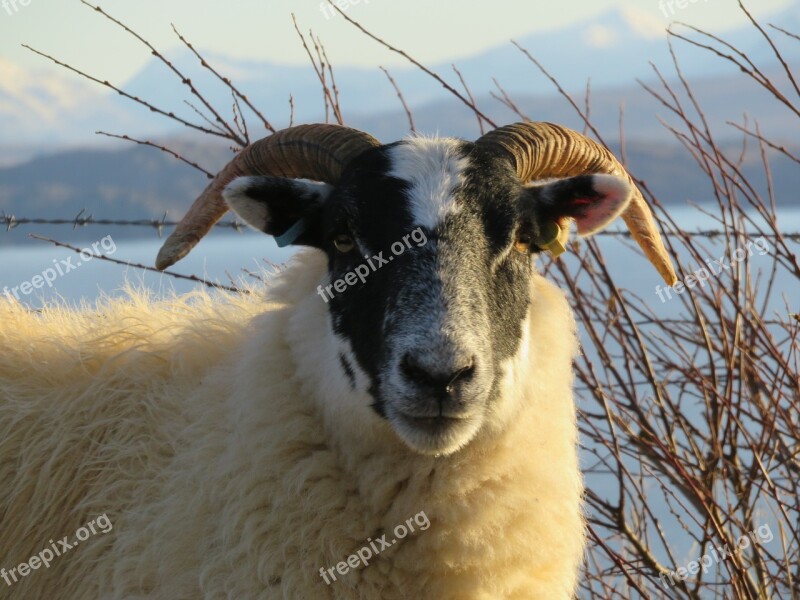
<point>288,237</point>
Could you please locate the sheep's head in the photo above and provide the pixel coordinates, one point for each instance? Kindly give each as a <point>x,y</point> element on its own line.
<point>429,246</point>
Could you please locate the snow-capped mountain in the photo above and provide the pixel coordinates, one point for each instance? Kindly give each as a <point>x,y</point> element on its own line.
<point>42,107</point>
<point>613,49</point>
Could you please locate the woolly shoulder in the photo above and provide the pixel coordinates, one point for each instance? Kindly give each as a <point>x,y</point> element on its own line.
<point>552,320</point>
<point>59,341</point>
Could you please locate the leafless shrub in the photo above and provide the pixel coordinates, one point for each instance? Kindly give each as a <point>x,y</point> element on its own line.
<point>690,423</point>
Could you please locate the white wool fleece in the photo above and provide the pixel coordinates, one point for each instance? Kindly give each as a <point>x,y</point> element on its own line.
<point>234,462</point>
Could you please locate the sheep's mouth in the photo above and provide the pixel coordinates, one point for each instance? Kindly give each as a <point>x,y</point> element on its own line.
<point>434,425</point>
<point>436,435</point>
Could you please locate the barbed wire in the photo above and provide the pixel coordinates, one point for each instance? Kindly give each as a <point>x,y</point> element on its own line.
<point>793,236</point>
<point>11,221</point>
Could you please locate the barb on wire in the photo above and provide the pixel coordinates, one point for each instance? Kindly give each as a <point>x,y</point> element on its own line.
<point>11,221</point>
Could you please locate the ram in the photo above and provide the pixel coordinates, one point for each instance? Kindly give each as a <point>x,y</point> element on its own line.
<point>391,418</point>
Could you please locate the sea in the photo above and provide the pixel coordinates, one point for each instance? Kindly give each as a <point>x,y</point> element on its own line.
<point>36,275</point>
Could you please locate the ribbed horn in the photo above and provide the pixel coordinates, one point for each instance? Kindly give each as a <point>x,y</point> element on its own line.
<point>541,150</point>
<point>318,152</point>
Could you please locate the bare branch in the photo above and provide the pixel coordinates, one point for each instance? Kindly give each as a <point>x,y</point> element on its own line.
<point>409,115</point>
<point>158,147</point>
<point>193,278</point>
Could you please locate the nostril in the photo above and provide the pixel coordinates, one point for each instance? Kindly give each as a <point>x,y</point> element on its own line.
<point>465,373</point>
<point>414,371</point>
<point>440,379</point>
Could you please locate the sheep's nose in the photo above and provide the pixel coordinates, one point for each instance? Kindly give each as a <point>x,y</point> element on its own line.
<point>438,379</point>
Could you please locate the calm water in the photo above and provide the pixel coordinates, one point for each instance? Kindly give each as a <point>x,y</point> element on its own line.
<point>231,253</point>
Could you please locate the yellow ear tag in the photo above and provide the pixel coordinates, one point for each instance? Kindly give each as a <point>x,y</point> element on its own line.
<point>550,239</point>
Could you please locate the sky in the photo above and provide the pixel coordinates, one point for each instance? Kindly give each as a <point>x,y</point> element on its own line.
<point>431,30</point>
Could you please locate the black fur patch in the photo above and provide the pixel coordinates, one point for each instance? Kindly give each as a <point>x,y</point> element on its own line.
<point>374,207</point>
<point>287,202</point>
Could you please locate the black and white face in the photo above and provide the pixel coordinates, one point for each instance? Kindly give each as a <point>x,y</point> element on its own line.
<point>430,246</point>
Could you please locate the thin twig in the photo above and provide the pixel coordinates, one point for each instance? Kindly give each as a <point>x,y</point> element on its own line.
<point>125,263</point>
<point>226,80</point>
<point>409,115</point>
<point>183,78</point>
<point>158,147</point>
<point>469,95</point>
<point>414,62</point>
<point>123,93</point>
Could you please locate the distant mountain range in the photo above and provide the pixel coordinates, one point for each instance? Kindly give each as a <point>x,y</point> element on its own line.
<point>613,50</point>
<point>138,183</point>
<point>41,118</point>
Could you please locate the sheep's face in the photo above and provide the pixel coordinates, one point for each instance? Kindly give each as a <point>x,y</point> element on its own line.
<point>430,246</point>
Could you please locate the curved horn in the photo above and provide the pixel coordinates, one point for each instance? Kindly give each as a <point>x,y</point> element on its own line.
<point>319,152</point>
<point>540,150</point>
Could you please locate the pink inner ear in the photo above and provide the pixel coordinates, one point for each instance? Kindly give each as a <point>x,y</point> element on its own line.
<point>596,213</point>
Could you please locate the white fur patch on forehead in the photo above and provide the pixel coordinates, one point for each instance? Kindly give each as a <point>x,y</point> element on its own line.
<point>434,168</point>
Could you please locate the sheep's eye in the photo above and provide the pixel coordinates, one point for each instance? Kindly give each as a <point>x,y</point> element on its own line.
<point>344,243</point>
<point>523,242</point>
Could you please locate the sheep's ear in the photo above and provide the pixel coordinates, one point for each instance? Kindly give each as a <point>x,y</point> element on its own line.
<point>592,200</point>
<point>287,209</point>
